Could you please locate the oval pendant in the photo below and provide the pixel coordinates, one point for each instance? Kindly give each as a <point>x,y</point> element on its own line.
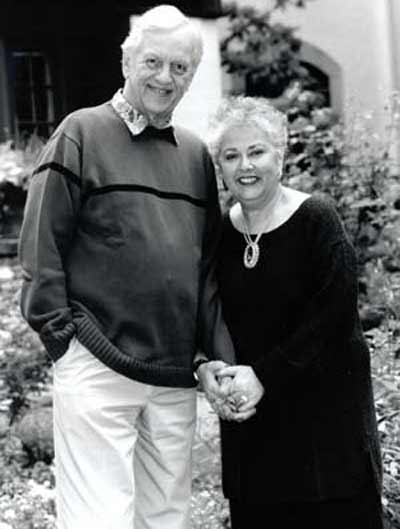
<point>251,255</point>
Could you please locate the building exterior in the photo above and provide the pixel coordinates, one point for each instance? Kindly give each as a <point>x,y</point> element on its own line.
<point>56,57</point>
<point>356,44</point>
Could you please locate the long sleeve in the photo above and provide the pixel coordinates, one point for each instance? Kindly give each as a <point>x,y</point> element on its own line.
<point>47,230</point>
<point>328,318</point>
<point>214,337</point>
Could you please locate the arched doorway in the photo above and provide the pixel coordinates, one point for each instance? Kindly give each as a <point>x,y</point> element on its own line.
<point>314,79</point>
<point>326,73</point>
<point>320,61</point>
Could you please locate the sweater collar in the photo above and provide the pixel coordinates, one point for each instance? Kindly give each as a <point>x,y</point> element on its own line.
<point>138,123</point>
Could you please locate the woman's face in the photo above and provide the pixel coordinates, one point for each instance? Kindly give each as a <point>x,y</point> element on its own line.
<point>249,164</point>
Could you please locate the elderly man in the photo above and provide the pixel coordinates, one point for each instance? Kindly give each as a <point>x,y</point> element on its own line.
<point>117,250</point>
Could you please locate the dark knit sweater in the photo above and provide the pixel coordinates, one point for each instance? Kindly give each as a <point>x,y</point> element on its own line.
<point>118,247</point>
<point>294,319</point>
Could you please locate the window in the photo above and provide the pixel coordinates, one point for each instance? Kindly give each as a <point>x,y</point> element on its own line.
<point>33,94</point>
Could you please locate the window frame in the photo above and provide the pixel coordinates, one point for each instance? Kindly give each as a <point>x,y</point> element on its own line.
<point>48,88</point>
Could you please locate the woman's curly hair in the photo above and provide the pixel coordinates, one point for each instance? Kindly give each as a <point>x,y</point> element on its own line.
<point>242,111</point>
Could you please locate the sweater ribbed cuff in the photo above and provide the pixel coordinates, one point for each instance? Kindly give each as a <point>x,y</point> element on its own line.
<point>57,342</point>
<point>146,372</point>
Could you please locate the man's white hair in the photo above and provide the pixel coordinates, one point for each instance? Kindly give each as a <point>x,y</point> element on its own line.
<point>163,18</point>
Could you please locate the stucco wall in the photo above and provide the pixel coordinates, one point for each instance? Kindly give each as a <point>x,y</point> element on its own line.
<point>357,37</point>
<point>394,17</point>
<point>356,43</point>
<point>205,93</point>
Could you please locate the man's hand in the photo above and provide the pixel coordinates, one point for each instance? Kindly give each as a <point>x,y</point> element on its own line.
<point>232,391</point>
<point>216,388</point>
<point>244,392</point>
<point>207,373</point>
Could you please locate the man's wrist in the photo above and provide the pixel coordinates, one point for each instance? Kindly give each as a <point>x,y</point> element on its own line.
<point>196,364</point>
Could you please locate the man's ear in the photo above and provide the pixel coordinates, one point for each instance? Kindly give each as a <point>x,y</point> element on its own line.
<point>125,65</point>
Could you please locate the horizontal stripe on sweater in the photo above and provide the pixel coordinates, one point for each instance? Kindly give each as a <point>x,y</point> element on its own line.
<point>58,168</point>
<point>171,195</point>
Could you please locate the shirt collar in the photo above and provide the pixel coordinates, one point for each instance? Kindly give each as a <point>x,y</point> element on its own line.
<point>137,122</point>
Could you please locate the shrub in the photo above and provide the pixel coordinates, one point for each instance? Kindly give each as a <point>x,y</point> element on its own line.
<point>267,54</point>
<point>350,163</point>
<point>25,373</point>
<point>35,430</point>
<point>16,165</point>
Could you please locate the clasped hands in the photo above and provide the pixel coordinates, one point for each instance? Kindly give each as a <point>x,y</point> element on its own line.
<point>232,391</point>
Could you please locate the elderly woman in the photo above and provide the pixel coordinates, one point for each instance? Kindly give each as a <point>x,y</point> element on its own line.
<point>302,449</point>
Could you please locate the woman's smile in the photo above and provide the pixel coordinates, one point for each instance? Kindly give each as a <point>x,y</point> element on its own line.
<point>249,164</point>
<point>248,180</point>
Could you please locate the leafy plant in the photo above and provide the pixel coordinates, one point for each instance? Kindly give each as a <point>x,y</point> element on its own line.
<point>24,375</point>
<point>16,165</point>
<point>17,161</point>
<point>352,164</point>
<point>24,364</point>
<point>266,53</point>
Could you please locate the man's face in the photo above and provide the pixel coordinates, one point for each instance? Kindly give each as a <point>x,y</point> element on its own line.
<point>159,72</point>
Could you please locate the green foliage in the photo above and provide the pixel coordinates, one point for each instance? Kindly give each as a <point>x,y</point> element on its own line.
<point>35,430</point>
<point>209,509</point>
<point>24,364</point>
<point>26,492</point>
<point>265,53</point>
<point>16,165</point>
<point>17,161</point>
<point>386,375</point>
<point>23,374</point>
<point>350,163</point>
<point>27,505</point>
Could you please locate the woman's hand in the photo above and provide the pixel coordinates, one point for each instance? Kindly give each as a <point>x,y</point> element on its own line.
<point>245,391</point>
<point>216,389</point>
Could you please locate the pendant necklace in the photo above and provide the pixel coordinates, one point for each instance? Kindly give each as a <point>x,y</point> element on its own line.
<point>252,250</point>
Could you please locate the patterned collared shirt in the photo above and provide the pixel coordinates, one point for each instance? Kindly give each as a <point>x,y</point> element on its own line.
<point>134,120</point>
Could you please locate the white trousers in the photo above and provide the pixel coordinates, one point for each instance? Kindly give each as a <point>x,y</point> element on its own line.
<point>122,448</point>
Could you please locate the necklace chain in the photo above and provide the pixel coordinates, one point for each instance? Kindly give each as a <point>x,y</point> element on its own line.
<point>252,249</point>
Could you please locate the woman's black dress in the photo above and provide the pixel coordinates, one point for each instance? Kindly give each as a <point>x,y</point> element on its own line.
<point>294,319</point>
